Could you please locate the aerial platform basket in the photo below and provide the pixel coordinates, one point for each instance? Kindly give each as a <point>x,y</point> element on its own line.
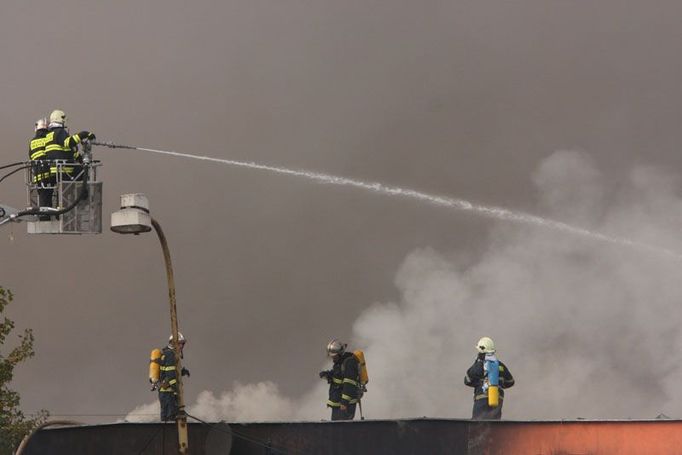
<point>85,216</point>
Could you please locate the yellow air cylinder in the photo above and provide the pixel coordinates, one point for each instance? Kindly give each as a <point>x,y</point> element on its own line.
<point>493,396</point>
<point>154,366</point>
<point>364,377</point>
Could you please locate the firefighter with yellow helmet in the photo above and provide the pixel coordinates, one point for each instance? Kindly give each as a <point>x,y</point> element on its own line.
<point>489,377</point>
<point>60,145</point>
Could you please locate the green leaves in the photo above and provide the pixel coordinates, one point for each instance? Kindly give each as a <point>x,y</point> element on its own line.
<point>14,425</point>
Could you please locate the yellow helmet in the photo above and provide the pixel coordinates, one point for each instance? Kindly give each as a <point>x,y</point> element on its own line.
<point>486,345</point>
<point>58,116</point>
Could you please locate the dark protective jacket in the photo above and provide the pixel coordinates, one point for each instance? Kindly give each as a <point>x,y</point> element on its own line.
<point>344,381</point>
<point>36,152</point>
<point>62,146</point>
<point>476,377</point>
<point>168,375</point>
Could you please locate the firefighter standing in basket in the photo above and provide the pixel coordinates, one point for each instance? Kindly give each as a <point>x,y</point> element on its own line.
<point>40,167</point>
<point>60,145</point>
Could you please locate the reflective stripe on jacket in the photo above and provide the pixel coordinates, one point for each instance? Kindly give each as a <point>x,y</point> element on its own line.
<point>60,146</point>
<point>344,385</point>
<point>168,375</point>
<point>36,152</point>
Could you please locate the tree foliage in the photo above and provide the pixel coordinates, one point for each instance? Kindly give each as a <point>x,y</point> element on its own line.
<point>13,423</point>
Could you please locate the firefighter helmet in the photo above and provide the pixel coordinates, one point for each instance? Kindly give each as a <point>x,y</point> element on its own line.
<point>58,116</point>
<point>181,338</point>
<point>486,345</point>
<point>41,124</point>
<point>335,347</point>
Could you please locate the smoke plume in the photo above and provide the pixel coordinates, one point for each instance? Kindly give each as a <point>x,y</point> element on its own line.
<point>588,329</point>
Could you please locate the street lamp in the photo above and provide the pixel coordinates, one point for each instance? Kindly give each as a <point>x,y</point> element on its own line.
<point>134,218</point>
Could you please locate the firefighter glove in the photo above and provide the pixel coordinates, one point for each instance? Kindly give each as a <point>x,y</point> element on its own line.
<point>325,374</point>
<point>184,372</point>
<point>86,135</point>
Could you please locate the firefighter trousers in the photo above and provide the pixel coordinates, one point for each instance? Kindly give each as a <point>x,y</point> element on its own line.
<point>169,405</point>
<point>482,411</point>
<point>348,414</point>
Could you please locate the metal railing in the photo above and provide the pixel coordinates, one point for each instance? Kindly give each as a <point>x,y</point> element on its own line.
<point>69,184</point>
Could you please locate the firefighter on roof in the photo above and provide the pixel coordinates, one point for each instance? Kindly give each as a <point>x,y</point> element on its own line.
<point>489,377</point>
<point>344,381</point>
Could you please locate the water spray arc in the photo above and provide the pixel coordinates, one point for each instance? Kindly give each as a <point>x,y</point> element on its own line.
<point>453,203</point>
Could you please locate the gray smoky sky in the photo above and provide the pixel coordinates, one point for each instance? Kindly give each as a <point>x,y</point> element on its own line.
<point>561,108</point>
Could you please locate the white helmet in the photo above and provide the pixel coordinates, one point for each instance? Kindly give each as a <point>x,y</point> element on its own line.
<point>181,338</point>
<point>41,124</point>
<point>58,116</point>
<point>486,345</point>
<point>335,347</point>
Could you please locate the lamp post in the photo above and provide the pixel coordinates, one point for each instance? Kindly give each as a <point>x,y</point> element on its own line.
<point>134,218</point>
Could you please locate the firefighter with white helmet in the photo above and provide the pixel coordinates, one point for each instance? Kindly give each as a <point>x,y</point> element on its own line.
<point>40,167</point>
<point>489,377</point>
<point>344,381</point>
<point>62,146</point>
<point>168,378</point>
<point>181,339</point>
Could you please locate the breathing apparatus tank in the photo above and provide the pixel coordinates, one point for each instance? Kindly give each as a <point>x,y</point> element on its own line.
<point>492,368</point>
<point>364,377</point>
<point>155,366</point>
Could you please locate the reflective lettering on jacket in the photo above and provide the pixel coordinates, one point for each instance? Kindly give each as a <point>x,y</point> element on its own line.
<point>36,152</point>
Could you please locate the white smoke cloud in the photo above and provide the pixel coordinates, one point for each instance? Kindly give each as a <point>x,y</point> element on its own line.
<point>261,401</point>
<point>244,403</point>
<point>587,328</point>
<point>144,413</point>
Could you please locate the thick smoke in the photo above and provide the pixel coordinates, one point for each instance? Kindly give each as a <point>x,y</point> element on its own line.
<point>588,329</point>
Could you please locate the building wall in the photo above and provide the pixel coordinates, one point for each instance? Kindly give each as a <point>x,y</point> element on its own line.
<point>418,436</point>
